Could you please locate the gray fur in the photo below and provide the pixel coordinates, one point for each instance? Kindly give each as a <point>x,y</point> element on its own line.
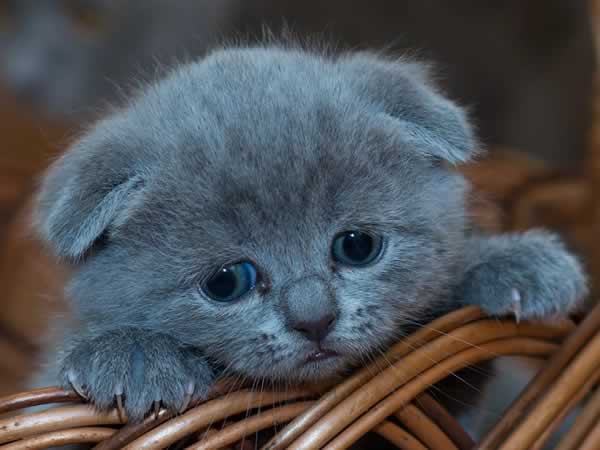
<point>266,153</point>
<point>548,279</point>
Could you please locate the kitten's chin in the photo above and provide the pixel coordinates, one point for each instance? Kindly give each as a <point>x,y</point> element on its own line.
<point>320,366</point>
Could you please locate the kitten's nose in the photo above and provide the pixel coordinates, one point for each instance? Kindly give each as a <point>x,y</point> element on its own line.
<point>315,330</point>
<point>309,307</point>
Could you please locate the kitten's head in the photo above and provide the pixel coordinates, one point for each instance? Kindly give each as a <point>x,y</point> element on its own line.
<point>65,57</point>
<point>290,213</point>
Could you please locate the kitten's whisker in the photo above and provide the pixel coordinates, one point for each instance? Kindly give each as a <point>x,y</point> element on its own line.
<point>262,388</point>
<point>470,368</point>
<point>433,386</point>
<point>230,389</point>
<point>376,361</point>
<point>443,333</point>
<point>435,361</point>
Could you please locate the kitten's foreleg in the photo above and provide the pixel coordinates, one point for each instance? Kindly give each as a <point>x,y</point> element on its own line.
<point>135,370</point>
<point>529,275</point>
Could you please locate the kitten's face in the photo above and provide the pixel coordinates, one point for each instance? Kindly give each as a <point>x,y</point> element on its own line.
<point>66,57</point>
<point>281,174</point>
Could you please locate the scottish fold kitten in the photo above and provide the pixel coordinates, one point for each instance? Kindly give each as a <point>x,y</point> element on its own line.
<point>67,57</point>
<point>279,213</point>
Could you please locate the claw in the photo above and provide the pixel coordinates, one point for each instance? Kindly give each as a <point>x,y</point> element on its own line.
<point>155,408</point>
<point>516,302</point>
<point>76,386</point>
<point>119,398</point>
<point>120,408</point>
<point>189,391</point>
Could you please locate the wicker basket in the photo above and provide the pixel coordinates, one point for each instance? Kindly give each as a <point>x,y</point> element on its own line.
<point>392,402</point>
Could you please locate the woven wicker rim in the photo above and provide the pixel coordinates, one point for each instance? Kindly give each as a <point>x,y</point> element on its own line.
<point>336,417</point>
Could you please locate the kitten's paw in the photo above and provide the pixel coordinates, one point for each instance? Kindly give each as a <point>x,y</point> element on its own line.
<point>136,372</point>
<point>529,275</point>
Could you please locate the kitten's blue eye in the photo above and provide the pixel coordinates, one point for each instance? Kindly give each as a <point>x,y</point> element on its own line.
<point>231,282</point>
<point>355,248</point>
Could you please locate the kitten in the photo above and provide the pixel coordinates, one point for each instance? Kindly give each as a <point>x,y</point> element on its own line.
<point>278,213</point>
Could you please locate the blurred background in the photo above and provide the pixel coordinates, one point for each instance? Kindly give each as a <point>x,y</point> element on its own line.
<point>526,70</point>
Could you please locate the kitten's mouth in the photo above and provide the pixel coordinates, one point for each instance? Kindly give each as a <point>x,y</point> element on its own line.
<point>321,355</point>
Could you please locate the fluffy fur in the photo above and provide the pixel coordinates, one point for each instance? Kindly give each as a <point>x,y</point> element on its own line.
<point>266,153</point>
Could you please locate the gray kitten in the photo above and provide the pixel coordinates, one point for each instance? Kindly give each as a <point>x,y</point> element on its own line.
<point>278,213</point>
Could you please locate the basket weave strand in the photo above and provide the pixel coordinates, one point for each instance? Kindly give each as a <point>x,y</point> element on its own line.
<point>425,429</point>
<point>392,402</point>
<point>585,423</point>
<point>338,393</point>
<point>545,378</point>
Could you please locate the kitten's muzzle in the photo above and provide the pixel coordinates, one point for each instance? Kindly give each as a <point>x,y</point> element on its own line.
<point>309,308</point>
<point>315,330</point>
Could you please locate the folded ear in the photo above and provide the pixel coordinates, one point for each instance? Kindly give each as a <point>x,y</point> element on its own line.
<point>87,190</point>
<point>423,117</point>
